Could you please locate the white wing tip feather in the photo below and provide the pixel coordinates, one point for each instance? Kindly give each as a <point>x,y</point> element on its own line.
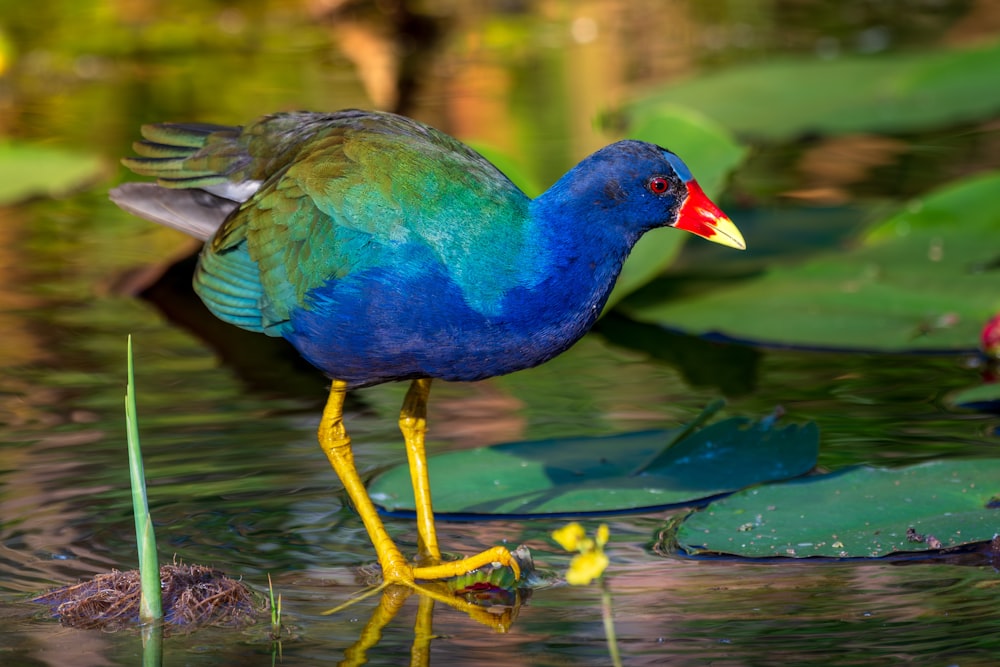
<point>194,212</point>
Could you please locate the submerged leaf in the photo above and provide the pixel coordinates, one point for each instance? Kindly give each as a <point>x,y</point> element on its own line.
<point>862,512</point>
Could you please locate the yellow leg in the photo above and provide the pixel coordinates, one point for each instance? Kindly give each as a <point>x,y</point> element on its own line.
<point>413,424</point>
<point>336,444</point>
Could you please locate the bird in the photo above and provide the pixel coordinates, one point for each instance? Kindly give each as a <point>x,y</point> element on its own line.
<point>385,250</point>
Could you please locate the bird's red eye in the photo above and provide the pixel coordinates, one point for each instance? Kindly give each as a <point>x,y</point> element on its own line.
<point>658,185</point>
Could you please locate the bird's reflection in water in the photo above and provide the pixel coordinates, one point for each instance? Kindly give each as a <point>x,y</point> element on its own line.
<point>491,606</point>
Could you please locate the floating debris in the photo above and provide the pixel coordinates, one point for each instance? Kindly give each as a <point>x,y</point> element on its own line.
<point>194,596</point>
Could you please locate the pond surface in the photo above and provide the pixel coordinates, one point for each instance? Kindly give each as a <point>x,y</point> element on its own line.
<point>228,420</point>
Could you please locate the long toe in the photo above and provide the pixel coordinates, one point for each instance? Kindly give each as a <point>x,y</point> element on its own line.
<point>455,568</point>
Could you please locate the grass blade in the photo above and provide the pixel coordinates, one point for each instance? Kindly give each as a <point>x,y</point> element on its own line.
<point>150,604</point>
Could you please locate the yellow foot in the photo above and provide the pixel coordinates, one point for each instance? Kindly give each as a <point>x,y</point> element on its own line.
<point>401,572</point>
<point>458,567</point>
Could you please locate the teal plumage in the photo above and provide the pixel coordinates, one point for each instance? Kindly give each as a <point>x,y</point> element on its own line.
<point>386,250</point>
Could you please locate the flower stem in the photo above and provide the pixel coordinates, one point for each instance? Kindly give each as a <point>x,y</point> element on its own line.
<point>609,624</point>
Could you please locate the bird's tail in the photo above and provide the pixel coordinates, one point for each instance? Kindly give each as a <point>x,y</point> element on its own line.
<point>195,212</point>
<point>202,173</point>
<point>214,158</point>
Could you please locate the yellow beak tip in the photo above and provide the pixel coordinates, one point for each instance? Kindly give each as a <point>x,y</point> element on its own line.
<point>727,234</point>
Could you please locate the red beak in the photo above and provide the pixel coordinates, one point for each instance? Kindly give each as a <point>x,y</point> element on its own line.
<point>701,217</point>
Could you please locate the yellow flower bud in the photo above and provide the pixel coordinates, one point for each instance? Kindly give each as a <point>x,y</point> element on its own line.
<point>569,536</point>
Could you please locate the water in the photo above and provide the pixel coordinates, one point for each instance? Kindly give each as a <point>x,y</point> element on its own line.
<point>236,479</point>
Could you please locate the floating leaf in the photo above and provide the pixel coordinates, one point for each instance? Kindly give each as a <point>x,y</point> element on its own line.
<point>862,512</point>
<point>581,475</point>
<point>893,93</point>
<point>30,171</point>
<point>985,397</point>
<point>925,279</point>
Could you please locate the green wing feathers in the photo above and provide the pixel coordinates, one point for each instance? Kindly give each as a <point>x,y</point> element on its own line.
<point>311,198</point>
<point>229,284</point>
<point>190,155</point>
<point>228,164</point>
<point>201,155</point>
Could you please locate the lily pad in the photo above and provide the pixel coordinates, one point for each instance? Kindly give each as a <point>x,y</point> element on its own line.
<point>984,397</point>
<point>863,512</point>
<point>30,171</point>
<point>574,476</point>
<point>779,100</point>
<point>926,279</point>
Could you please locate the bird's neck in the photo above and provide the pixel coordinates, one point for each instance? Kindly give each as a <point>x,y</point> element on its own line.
<point>578,216</point>
<point>584,250</point>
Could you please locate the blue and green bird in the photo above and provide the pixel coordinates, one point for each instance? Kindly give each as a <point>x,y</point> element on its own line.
<point>386,250</point>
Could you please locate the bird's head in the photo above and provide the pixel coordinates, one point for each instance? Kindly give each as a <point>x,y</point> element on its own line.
<point>639,186</point>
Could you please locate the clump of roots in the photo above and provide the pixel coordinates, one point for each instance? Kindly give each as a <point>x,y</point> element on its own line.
<point>194,596</point>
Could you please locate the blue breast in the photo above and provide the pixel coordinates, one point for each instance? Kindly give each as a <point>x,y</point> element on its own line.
<point>395,323</point>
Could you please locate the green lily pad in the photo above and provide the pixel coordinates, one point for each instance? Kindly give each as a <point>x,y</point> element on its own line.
<point>926,279</point>
<point>711,153</point>
<point>863,512</point>
<point>981,397</point>
<point>30,171</point>
<point>779,100</point>
<point>581,475</point>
